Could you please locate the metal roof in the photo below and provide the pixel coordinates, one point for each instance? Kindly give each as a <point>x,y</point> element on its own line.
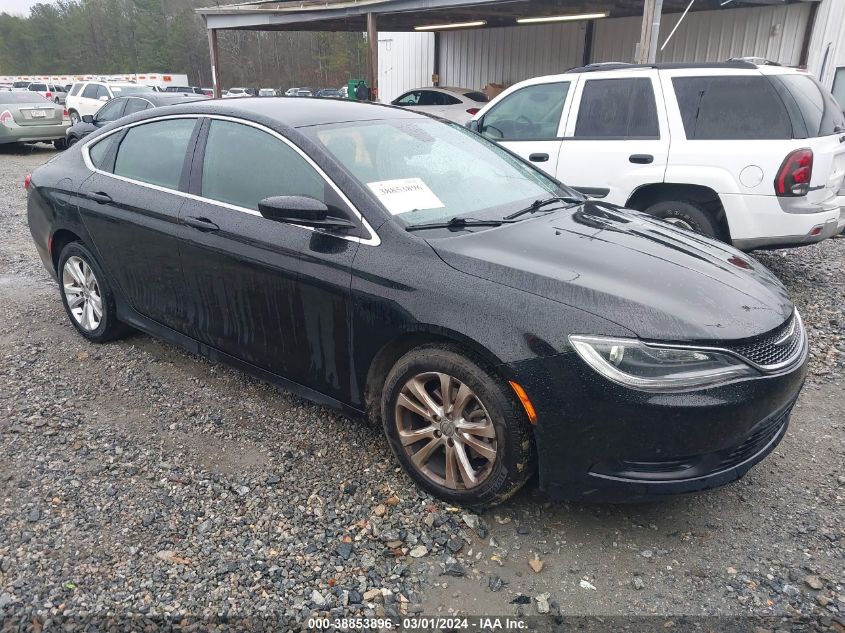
<point>404,15</point>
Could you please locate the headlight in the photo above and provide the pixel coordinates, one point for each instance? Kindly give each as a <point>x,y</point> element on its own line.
<point>636,364</point>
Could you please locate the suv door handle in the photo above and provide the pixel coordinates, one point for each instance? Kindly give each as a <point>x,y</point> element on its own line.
<point>201,224</point>
<point>99,197</point>
<point>538,158</point>
<point>643,159</point>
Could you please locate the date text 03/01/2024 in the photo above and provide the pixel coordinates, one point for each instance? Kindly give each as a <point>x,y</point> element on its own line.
<point>421,623</point>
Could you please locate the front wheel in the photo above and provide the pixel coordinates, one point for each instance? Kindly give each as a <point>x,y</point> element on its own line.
<point>685,215</point>
<point>86,295</point>
<point>456,428</point>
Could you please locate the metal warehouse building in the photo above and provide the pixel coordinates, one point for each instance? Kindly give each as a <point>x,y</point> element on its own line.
<point>471,43</point>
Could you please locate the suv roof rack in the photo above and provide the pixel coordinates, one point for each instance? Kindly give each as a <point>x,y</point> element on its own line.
<point>600,66</point>
<point>757,61</point>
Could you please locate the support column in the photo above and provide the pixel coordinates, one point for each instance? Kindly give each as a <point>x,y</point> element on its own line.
<point>215,62</point>
<point>647,48</point>
<point>372,40</point>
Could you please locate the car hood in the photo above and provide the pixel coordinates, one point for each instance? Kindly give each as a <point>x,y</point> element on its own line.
<point>660,282</point>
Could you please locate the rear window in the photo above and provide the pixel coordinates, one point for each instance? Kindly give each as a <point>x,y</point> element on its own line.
<point>731,108</point>
<point>38,87</point>
<point>813,109</point>
<point>166,140</point>
<point>478,97</point>
<point>20,97</point>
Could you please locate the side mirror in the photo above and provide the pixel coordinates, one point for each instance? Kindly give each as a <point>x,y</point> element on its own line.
<point>103,98</point>
<point>302,210</point>
<point>474,125</point>
<point>88,118</point>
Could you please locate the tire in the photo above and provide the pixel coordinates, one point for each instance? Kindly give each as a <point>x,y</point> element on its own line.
<point>71,141</point>
<point>505,461</point>
<point>60,144</point>
<point>685,215</point>
<point>74,117</point>
<point>75,258</point>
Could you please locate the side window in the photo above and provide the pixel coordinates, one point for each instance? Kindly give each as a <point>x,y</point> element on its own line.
<point>429,98</point>
<point>102,91</point>
<point>135,105</point>
<point>838,89</point>
<point>530,113</point>
<point>731,108</point>
<point>411,98</point>
<point>617,109</point>
<point>74,90</point>
<point>155,152</point>
<point>99,151</point>
<point>244,165</point>
<point>90,91</point>
<point>112,111</point>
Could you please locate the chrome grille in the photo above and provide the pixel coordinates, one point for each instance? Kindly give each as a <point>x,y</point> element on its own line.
<point>776,349</point>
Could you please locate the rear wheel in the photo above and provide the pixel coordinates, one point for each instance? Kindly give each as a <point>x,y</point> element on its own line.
<point>685,215</point>
<point>74,117</point>
<point>71,141</point>
<point>60,144</point>
<point>456,428</point>
<point>86,295</point>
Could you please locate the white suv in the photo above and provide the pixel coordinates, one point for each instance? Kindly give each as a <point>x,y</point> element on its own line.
<point>86,97</point>
<point>753,155</point>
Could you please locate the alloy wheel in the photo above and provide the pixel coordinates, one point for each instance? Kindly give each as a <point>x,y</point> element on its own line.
<point>446,431</point>
<point>82,293</point>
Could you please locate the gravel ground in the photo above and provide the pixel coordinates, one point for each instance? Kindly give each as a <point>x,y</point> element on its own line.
<point>137,479</point>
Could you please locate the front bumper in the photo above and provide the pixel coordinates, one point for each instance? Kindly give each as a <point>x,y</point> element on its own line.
<point>600,441</point>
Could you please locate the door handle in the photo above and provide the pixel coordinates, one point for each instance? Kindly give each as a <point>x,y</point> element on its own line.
<point>643,159</point>
<point>201,224</point>
<point>99,197</point>
<point>538,158</point>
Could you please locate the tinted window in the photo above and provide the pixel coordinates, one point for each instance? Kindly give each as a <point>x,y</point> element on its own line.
<point>112,111</point>
<point>617,108</point>
<point>478,97</point>
<point>411,98</point>
<point>38,87</point>
<point>532,112</point>
<point>731,108</point>
<point>808,101</point>
<point>155,152</point>
<point>90,91</point>
<point>839,87</point>
<point>244,165</point>
<point>99,152</point>
<point>75,89</point>
<point>135,105</point>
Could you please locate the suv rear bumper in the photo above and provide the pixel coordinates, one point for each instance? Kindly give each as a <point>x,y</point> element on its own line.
<point>766,222</point>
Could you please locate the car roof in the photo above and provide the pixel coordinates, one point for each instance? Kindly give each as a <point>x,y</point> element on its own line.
<point>295,111</point>
<point>166,98</point>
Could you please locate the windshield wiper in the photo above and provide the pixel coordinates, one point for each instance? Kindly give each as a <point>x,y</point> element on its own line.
<point>539,204</point>
<point>457,223</point>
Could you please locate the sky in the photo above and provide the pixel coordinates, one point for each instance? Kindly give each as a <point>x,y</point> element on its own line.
<point>17,7</point>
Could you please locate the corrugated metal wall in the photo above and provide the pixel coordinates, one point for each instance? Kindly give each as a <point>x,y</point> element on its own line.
<point>774,32</point>
<point>827,44</point>
<point>405,61</point>
<point>471,59</point>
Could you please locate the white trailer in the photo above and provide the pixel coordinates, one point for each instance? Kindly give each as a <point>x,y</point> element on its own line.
<point>157,79</point>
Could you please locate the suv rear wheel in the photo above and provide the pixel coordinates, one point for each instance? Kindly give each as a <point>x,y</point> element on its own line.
<point>74,117</point>
<point>685,215</point>
<point>456,429</point>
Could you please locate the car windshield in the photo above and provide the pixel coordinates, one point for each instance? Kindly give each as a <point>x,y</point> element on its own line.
<point>426,171</point>
<point>21,97</point>
<point>128,90</point>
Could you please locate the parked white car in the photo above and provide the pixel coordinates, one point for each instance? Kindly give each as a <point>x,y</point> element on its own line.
<point>456,104</point>
<point>236,93</point>
<point>266,92</point>
<point>54,93</point>
<point>753,155</point>
<point>86,97</point>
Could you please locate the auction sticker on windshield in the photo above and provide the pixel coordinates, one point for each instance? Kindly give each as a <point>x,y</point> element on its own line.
<point>405,194</point>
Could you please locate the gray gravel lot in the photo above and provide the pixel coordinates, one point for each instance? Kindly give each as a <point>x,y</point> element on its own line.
<point>138,479</point>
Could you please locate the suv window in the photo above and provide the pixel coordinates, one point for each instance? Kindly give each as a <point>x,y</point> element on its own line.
<point>74,90</point>
<point>112,111</point>
<point>731,108</point>
<point>167,141</point>
<point>90,91</point>
<point>243,165</point>
<point>38,87</point>
<point>814,111</point>
<point>617,109</point>
<point>530,113</point>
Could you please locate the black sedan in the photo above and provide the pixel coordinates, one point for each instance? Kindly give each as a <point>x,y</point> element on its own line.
<point>402,267</point>
<point>124,106</point>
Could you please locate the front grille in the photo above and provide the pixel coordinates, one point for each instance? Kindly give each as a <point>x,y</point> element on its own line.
<point>775,349</point>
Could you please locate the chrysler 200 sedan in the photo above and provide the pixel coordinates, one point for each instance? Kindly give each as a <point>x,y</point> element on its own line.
<point>400,266</point>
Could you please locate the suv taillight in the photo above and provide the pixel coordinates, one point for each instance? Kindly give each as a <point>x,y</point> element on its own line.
<point>48,94</point>
<point>794,175</point>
